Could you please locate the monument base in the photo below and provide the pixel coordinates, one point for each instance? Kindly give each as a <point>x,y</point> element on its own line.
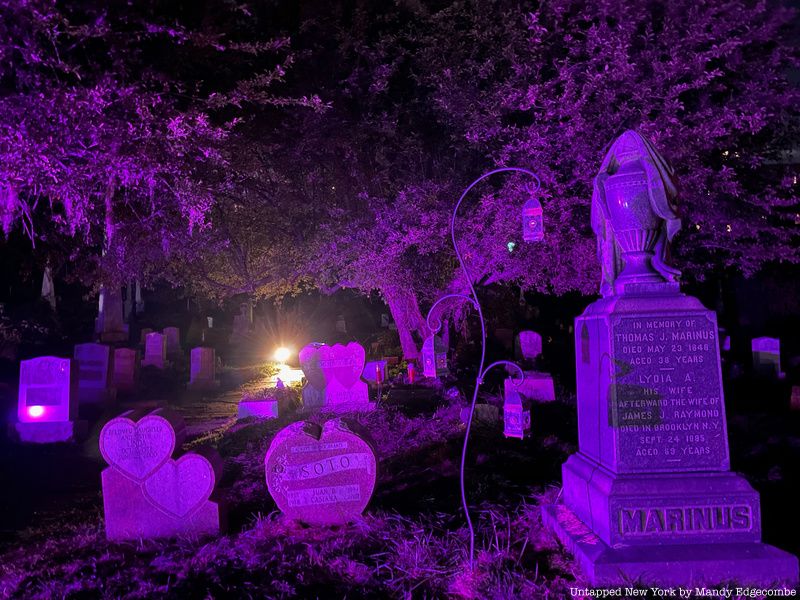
<point>661,508</point>
<point>129,515</point>
<point>669,565</point>
<point>49,432</point>
<point>263,409</point>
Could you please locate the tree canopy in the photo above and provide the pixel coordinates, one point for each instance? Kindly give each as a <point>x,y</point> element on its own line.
<point>190,128</point>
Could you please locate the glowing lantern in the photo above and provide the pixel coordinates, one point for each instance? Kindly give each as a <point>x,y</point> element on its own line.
<point>532,221</point>
<point>434,357</point>
<point>411,374</point>
<point>516,415</point>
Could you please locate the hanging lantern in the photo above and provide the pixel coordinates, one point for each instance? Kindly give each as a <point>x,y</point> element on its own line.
<point>532,221</point>
<point>434,357</point>
<point>516,414</point>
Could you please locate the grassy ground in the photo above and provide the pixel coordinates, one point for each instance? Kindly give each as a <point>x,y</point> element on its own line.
<point>411,543</point>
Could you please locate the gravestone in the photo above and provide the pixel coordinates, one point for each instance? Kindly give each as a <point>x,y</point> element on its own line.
<point>155,351</point>
<point>536,387</point>
<point>528,345</point>
<point>333,375</point>
<point>110,325</point>
<point>262,409</point>
<point>126,369</point>
<point>203,369</point>
<point>376,371</point>
<point>649,496</point>
<point>794,401</point>
<point>173,337</point>
<point>147,493</point>
<point>505,337</point>
<point>320,475</point>
<point>143,335</point>
<point>766,356</point>
<point>95,372</point>
<point>47,407</point>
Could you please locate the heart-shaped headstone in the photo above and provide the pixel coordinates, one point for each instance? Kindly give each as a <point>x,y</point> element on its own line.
<point>309,358</point>
<point>343,363</point>
<point>320,475</point>
<point>136,449</point>
<point>180,487</point>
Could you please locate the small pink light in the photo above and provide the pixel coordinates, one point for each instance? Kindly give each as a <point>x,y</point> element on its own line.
<point>35,411</point>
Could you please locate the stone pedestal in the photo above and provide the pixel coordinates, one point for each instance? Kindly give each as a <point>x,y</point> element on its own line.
<point>129,514</point>
<point>263,409</point>
<point>649,496</point>
<point>49,432</point>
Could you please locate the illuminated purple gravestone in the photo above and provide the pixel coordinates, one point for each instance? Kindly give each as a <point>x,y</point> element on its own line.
<point>126,370</point>
<point>767,356</point>
<point>95,371</point>
<point>528,345</point>
<point>376,371</point>
<point>155,351</point>
<point>147,493</point>
<point>47,408</point>
<point>333,375</point>
<point>321,475</point>
<point>203,369</point>
<point>649,496</point>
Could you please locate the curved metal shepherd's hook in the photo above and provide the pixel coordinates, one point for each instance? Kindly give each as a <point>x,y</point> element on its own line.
<point>473,299</point>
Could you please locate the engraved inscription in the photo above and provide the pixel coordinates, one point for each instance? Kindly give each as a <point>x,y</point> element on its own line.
<point>666,397</point>
<point>685,519</point>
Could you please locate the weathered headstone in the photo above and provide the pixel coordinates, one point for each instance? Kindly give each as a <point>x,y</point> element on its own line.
<point>203,369</point>
<point>528,345</point>
<point>143,335</point>
<point>109,324</point>
<point>263,409</point>
<point>333,375</point>
<point>155,351</point>
<point>767,356</point>
<point>320,475</point>
<point>376,371</point>
<point>794,401</point>
<point>47,408</point>
<point>126,369</point>
<point>650,496</point>
<point>505,337</point>
<point>95,372</point>
<point>147,493</point>
<point>536,387</point>
<point>173,336</point>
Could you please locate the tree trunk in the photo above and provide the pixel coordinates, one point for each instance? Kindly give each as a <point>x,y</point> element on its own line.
<point>407,316</point>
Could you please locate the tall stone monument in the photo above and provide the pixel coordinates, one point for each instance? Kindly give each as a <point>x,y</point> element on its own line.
<point>650,496</point>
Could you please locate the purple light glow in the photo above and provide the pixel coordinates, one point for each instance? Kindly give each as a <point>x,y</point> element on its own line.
<point>36,412</point>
